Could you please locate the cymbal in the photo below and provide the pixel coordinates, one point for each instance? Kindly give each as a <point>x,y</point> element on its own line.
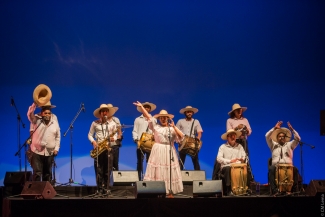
<point>126,126</point>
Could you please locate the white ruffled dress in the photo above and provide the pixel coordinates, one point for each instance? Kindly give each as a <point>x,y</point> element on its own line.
<point>158,167</point>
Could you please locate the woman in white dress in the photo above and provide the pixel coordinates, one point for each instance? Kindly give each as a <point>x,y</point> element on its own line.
<point>158,167</point>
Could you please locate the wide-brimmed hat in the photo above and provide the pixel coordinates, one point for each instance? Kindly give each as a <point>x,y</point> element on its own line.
<point>163,113</point>
<point>111,110</point>
<point>42,94</point>
<point>112,107</point>
<point>188,108</point>
<point>236,106</point>
<point>224,136</point>
<point>284,130</point>
<point>48,104</point>
<point>152,106</point>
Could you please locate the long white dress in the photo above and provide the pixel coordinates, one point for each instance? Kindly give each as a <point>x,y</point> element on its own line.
<point>158,167</point>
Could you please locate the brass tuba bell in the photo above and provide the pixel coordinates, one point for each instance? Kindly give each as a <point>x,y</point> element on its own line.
<point>42,94</point>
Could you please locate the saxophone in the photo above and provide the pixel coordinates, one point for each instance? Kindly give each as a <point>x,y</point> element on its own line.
<point>102,146</point>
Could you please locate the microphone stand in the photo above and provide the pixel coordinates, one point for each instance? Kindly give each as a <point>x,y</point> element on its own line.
<point>24,145</point>
<point>18,134</point>
<point>82,108</point>
<point>301,162</point>
<point>171,158</point>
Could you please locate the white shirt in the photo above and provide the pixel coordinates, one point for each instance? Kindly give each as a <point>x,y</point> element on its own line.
<point>232,123</point>
<point>140,126</point>
<point>185,126</point>
<point>227,152</point>
<point>46,138</point>
<point>286,149</point>
<point>102,130</point>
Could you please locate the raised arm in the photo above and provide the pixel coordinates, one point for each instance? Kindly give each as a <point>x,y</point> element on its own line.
<point>30,113</point>
<point>144,112</point>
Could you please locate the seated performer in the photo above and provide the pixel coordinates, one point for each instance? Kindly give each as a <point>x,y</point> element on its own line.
<point>192,128</point>
<point>161,160</point>
<point>45,141</point>
<point>141,126</point>
<point>229,153</point>
<point>100,130</point>
<point>278,140</point>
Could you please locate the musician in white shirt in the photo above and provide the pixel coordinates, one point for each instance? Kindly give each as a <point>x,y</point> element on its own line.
<point>278,140</point>
<point>192,128</point>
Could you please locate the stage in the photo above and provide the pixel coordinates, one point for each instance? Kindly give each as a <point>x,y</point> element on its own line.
<point>80,201</point>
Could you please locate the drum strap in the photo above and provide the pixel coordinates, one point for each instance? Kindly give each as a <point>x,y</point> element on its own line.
<point>192,128</point>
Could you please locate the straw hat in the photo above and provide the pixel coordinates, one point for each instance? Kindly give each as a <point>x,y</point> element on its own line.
<point>152,106</point>
<point>188,108</point>
<point>48,104</point>
<point>284,130</point>
<point>111,110</point>
<point>42,94</point>
<point>237,106</point>
<point>112,107</point>
<point>224,136</point>
<point>163,113</point>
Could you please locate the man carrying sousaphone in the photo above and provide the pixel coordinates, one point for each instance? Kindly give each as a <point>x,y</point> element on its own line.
<point>143,137</point>
<point>193,132</point>
<point>231,153</point>
<point>46,136</point>
<point>102,130</point>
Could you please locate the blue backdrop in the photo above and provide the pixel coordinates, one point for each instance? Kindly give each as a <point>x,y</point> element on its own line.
<point>266,55</point>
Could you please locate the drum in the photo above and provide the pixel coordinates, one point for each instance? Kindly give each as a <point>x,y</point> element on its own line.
<point>238,174</point>
<point>190,146</point>
<point>146,142</point>
<point>284,177</point>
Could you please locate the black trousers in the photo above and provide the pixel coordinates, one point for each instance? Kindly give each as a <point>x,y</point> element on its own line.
<point>116,156</point>
<point>272,175</point>
<point>195,160</point>
<point>140,158</point>
<point>103,169</point>
<point>226,179</point>
<point>42,167</point>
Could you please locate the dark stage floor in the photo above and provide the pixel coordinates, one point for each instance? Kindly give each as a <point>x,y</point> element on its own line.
<point>78,201</point>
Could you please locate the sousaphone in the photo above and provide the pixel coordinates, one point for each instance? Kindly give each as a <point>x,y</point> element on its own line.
<point>42,94</point>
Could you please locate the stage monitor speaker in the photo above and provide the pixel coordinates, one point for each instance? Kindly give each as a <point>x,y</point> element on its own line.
<point>124,178</point>
<point>322,122</point>
<point>38,190</point>
<point>207,188</point>
<point>17,178</point>
<point>150,189</point>
<point>188,176</point>
<point>315,187</point>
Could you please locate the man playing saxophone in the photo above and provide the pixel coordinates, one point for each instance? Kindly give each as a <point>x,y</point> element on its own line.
<point>103,131</point>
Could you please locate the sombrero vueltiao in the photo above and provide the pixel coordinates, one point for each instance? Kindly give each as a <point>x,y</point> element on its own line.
<point>152,106</point>
<point>188,108</point>
<point>111,110</point>
<point>284,130</point>
<point>163,113</point>
<point>224,136</point>
<point>112,107</point>
<point>237,106</point>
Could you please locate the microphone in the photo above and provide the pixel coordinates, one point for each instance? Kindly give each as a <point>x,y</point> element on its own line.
<point>45,118</point>
<point>83,107</point>
<point>169,121</point>
<point>12,101</point>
